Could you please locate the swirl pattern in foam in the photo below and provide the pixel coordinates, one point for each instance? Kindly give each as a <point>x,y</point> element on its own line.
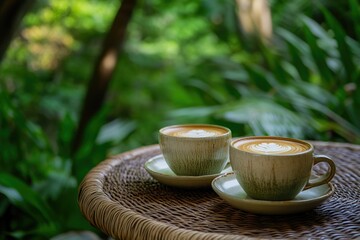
<point>195,133</point>
<point>271,146</point>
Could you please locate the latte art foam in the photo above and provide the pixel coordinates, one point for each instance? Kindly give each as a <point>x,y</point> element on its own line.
<point>271,146</point>
<point>195,133</point>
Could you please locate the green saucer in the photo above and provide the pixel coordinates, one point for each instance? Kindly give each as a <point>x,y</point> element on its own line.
<point>228,188</point>
<point>159,170</point>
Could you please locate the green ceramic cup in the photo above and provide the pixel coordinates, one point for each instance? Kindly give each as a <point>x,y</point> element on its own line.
<point>276,168</point>
<point>195,149</point>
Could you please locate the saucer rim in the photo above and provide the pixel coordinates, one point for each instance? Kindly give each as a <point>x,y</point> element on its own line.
<point>266,207</point>
<point>185,182</point>
<point>328,194</point>
<point>152,159</point>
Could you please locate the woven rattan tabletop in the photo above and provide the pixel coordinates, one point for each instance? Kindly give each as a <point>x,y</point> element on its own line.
<point>121,199</point>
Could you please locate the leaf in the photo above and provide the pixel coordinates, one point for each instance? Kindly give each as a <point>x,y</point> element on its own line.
<point>355,49</point>
<point>291,70</point>
<point>300,53</point>
<point>285,12</point>
<point>115,131</point>
<point>193,113</point>
<point>57,180</point>
<point>23,197</point>
<point>276,68</point>
<point>294,40</point>
<point>265,117</point>
<point>238,76</point>
<point>355,12</point>
<point>304,103</point>
<point>65,135</point>
<point>343,47</point>
<point>313,92</point>
<point>319,56</point>
<point>207,90</point>
<point>67,127</point>
<point>260,78</point>
<point>325,42</point>
<point>318,31</point>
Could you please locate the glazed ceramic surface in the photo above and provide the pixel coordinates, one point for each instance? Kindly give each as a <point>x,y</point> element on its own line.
<point>276,168</point>
<point>159,170</point>
<point>228,188</point>
<point>195,149</point>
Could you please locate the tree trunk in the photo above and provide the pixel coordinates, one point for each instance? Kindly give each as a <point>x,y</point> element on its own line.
<point>104,69</point>
<point>11,14</point>
<point>255,19</point>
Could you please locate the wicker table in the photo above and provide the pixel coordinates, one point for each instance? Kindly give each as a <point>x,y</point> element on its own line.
<point>121,199</point>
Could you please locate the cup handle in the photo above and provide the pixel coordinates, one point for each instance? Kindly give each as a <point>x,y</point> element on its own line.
<point>323,178</point>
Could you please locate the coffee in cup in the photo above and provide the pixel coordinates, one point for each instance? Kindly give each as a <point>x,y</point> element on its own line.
<point>276,168</point>
<point>195,149</point>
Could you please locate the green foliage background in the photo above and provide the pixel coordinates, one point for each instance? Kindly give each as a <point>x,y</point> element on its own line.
<point>182,62</point>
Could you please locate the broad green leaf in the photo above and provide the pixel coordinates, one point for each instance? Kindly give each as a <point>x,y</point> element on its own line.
<point>206,90</point>
<point>355,49</point>
<point>355,13</point>
<point>325,42</point>
<point>238,76</point>
<point>319,57</point>
<point>304,102</point>
<point>23,197</point>
<point>352,104</point>
<point>41,231</point>
<point>259,77</point>
<point>313,92</point>
<point>65,135</point>
<point>344,49</point>
<point>285,13</point>
<point>115,131</point>
<point>300,53</point>
<point>274,64</point>
<point>322,125</point>
<point>291,70</point>
<point>193,113</point>
<point>265,117</point>
<point>57,180</point>
<point>318,31</point>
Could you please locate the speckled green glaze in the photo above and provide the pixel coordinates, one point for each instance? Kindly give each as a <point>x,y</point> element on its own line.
<point>227,187</point>
<point>277,176</point>
<point>187,156</point>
